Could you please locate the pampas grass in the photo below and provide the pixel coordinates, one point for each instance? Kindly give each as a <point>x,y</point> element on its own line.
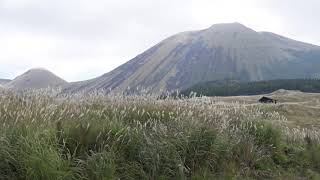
<point>46,135</point>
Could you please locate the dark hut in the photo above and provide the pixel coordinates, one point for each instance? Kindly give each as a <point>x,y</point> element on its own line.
<point>267,100</point>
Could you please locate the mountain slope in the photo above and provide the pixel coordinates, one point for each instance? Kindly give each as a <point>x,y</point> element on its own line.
<point>223,51</point>
<point>36,79</point>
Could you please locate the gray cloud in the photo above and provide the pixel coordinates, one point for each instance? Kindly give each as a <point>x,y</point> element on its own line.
<point>81,39</point>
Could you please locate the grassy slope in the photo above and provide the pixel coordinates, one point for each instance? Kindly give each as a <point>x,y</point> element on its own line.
<point>111,137</point>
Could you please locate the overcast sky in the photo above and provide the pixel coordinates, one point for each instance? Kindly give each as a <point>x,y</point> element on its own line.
<point>82,39</point>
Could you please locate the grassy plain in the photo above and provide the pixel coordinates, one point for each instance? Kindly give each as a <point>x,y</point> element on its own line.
<point>97,136</point>
<point>300,109</point>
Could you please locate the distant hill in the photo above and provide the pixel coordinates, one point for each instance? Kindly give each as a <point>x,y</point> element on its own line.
<point>235,88</point>
<point>223,51</point>
<point>4,81</point>
<point>36,79</point>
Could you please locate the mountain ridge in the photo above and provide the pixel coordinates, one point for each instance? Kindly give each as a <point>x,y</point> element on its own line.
<point>220,52</point>
<point>223,51</point>
<point>36,78</point>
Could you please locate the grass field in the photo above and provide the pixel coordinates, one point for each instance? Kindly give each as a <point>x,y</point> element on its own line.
<point>300,109</point>
<point>45,136</point>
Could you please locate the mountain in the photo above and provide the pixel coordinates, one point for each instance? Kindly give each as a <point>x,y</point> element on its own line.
<point>223,51</point>
<point>4,81</point>
<point>36,79</point>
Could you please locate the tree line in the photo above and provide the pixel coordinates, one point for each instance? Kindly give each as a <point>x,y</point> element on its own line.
<point>236,88</point>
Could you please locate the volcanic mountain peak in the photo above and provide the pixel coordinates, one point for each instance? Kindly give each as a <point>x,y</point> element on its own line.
<point>36,78</point>
<point>39,69</point>
<point>223,51</point>
<point>229,27</point>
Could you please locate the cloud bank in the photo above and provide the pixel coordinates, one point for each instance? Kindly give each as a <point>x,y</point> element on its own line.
<point>81,39</point>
